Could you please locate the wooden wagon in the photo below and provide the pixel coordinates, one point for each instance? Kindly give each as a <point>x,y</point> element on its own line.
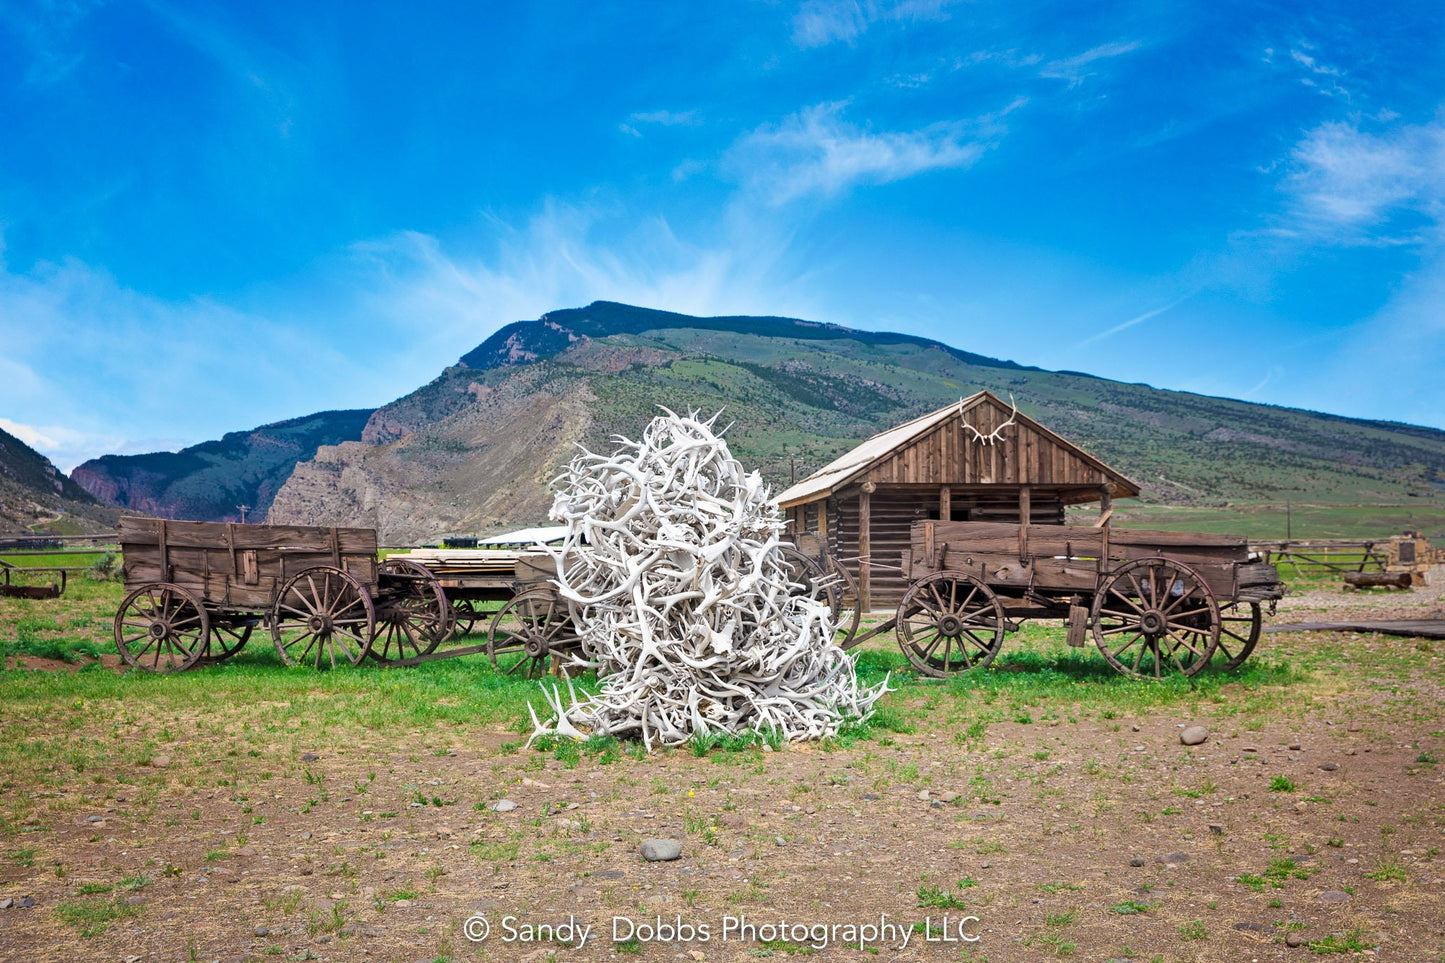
<point>196,591</point>
<point>1155,603</point>
<point>530,633</point>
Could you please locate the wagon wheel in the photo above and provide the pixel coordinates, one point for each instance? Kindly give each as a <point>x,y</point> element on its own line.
<point>843,597</point>
<point>227,638</point>
<point>830,584</point>
<point>950,622</point>
<point>467,613</point>
<point>322,617</point>
<point>413,616</point>
<point>1154,618</point>
<point>527,632</point>
<point>161,627</point>
<point>1240,624</point>
<point>803,570</point>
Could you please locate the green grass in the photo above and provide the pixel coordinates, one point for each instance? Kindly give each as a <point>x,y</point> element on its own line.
<point>92,916</point>
<point>1351,941</point>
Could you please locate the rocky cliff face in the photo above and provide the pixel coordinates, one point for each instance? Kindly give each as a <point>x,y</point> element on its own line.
<point>207,482</point>
<point>477,469</point>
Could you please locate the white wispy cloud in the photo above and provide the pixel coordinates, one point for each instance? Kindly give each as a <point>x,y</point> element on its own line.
<point>821,22</point>
<point>659,118</point>
<point>1140,319</point>
<point>1349,185</point>
<point>817,152</point>
<point>1077,69</point>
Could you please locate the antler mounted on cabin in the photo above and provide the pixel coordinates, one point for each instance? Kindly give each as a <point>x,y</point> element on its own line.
<point>997,433</point>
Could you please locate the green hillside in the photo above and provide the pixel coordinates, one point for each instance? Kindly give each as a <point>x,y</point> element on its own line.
<point>35,498</point>
<point>446,458</point>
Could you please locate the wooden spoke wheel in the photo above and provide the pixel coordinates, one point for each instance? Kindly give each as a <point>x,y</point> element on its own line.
<point>468,614</point>
<point>413,616</point>
<point>950,622</point>
<point>529,633</point>
<point>322,618</point>
<point>843,598</point>
<point>161,628</point>
<point>228,636</point>
<point>803,571</point>
<point>1240,624</point>
<point>830,584</point>
<point>1154,618</point>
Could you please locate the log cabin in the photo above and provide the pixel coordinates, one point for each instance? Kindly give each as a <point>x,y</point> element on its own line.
<point>978,459</point>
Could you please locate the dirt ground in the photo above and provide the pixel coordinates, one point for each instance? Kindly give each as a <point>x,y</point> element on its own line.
<point>1057,830</point>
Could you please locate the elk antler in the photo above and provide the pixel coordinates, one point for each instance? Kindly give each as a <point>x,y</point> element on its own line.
<point>997,433</point>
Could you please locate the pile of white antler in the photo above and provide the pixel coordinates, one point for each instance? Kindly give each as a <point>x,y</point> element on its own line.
<point>675,581</point>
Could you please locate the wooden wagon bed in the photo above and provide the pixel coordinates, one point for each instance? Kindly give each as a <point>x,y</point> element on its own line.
<point>1155,603</point>
<point>241,566</point>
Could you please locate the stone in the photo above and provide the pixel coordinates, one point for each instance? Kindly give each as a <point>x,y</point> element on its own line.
<point>1250,927</point>
<point>1216,829</point>
<point>262,931</point>
<point>923,795</point>
<point>160,762</point>
<point>661,850</point>
<point>1292,938</point>
<point>779,841</point>
<point>1334,896</point>
<point>610,874</point>
<point>502,806</point>
<point>136,900</point>
<point>985,865</point>
<point>1176,858</point>
<point>1294,747</point>
<point>1301,807</point>
<point>95,819</point>
<point>1194,735</point>
<point>948,796</point>
<point>1137,861</point>
<point>1329,766</point>
<point>1133,728</point>
<point>26,902</point>
<point>309,757</point>
<point>871,796</point>
<point>6,903</point>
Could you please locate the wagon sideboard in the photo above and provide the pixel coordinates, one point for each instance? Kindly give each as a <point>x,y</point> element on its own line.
<point>1063,559</point>
<point>240,566</point>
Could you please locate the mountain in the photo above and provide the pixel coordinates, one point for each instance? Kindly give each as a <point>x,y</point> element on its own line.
<point>207,482</point>
<point>475,449</point>
<point>36,498</point>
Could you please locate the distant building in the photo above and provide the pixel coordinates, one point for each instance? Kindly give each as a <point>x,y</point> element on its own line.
<point>524,537</point>
<point>974,460</point>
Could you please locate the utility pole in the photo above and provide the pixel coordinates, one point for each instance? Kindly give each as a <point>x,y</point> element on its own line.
<point>792,471</point>
<point>1287,519</point>
<point>242,509</point>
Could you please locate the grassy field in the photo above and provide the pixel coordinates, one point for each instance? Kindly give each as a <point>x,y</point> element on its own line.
<point>251,810</point>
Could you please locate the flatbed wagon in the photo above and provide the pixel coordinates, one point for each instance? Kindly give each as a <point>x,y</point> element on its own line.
<point>197,591</point>
<point>1156,604</point>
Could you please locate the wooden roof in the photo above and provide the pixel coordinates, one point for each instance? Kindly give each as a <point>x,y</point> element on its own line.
<point>940,449</point>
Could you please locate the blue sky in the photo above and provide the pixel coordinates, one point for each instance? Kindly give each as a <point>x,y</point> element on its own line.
<point>214,216</point>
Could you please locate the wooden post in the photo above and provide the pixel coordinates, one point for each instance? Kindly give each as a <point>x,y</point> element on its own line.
<point>945,503</point>
<point>823,521</point>
<point>1025,509</point>
<point>1106,500</point>
<point>865,546</point>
